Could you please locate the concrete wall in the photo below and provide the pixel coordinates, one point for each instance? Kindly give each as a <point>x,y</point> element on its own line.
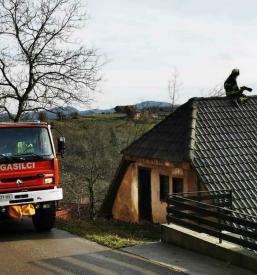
<point>125,206</point>
<point>158,207</point>
<point>209,246</point>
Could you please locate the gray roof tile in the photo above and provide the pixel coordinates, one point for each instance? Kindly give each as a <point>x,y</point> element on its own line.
<point>226,155</point>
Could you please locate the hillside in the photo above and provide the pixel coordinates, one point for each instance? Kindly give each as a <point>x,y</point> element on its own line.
<point>93,146</point>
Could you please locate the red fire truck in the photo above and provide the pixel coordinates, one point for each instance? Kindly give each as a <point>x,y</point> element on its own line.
<point>29,176</point>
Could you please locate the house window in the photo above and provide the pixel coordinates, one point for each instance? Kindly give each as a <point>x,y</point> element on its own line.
<point>164,187</point>
<point>177,185</point>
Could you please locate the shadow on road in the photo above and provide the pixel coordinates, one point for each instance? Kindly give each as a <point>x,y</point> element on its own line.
<point>104,262</point>
<point>25,251</point>
<point>13,230</point>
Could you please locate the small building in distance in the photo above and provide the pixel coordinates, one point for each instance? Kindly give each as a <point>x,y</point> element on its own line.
<point>206,144</point>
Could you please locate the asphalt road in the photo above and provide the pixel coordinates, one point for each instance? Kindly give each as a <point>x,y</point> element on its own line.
<point>25,251</point>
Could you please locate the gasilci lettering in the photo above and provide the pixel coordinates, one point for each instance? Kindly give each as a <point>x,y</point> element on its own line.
<point>17,166</point>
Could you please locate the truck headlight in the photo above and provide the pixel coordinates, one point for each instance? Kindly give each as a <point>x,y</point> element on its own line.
<point>49,180</point>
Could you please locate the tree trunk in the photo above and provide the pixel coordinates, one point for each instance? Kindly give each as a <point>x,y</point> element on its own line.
<point>91,201</point>
<point>78,207</point>
<point>19,112</point>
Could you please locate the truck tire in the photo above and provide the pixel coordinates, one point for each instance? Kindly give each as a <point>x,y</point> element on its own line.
<point>44,219</point>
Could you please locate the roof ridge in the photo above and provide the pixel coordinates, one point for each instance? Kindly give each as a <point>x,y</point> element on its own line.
<point>191,138</point>
<point>217,98</point>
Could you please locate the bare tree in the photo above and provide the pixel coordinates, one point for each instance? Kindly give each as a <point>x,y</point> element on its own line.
<point>74,192</point>
<point>173,87</point>
<point>40,65</point>
<point>216,91</point>
<point>89,160</point>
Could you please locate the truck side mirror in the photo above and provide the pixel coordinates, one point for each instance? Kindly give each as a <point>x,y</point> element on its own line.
<point>61,146</point>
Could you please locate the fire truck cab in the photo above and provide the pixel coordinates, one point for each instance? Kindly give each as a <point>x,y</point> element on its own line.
<point>29,174</point>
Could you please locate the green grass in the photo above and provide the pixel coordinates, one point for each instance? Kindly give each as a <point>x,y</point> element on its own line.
<point>113,234</point>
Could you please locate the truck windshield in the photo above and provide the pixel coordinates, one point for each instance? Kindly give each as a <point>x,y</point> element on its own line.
<point>25,142</point>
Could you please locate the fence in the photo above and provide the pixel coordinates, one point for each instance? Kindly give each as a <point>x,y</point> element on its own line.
<point>208,212</point>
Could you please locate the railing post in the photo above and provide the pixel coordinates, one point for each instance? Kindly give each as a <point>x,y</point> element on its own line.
<point>230,194</point>
<point>219,219</point>
<point>168,204</point>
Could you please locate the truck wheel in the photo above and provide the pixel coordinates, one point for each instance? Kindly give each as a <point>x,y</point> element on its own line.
<point>44,219</point>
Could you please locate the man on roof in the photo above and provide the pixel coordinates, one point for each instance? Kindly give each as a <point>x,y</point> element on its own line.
<point>232,89</point>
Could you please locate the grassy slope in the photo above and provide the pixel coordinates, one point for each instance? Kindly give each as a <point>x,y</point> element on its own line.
<point>110,233</point>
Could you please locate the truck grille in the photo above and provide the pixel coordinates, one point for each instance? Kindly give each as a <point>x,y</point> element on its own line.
<point>15,179</point>
<point>21,200</point>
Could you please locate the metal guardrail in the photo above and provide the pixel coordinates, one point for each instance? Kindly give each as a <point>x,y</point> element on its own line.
<point>208,212</point>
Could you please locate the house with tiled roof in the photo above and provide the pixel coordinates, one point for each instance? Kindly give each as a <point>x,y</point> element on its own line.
<point>206,144</point>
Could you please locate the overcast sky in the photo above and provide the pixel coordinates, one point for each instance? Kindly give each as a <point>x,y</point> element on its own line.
<point>144,40</point>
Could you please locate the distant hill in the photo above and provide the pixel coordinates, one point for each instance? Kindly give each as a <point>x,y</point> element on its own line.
<point>140,106</point>
<point>69,110</point>
<point>66,111</point>
<point>96,111</point>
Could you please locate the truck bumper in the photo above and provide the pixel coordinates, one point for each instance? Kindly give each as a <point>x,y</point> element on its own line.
<point>31,197</point>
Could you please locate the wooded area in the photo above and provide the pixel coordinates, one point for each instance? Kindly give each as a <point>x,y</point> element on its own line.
<point>92,156</point>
